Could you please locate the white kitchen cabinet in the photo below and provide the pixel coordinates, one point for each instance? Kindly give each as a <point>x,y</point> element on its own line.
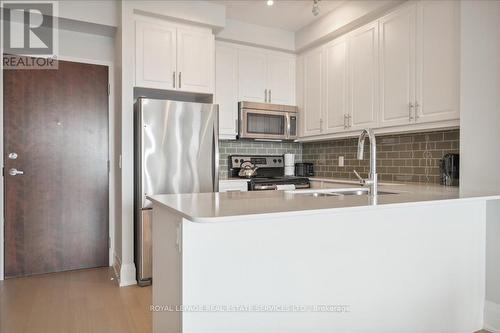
<point>226,89</point>
<point>173,56</point>
<point>266,76</point>
<point>363,77</point>
<point>438,33</point>
<point>313,92</point>
<point>195,59</point>
<point>335,96</point>
<point>281,78</point>
<point>397,66</point>
<point>233,185</point>
<point>252,75</point>
<point>398,73</point>
<point>155,55</point>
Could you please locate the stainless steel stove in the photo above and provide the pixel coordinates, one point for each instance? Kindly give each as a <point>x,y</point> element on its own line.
<point>270,172</point>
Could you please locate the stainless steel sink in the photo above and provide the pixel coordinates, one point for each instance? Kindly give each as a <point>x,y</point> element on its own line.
<point>336,192</point>
<point>358,192</point>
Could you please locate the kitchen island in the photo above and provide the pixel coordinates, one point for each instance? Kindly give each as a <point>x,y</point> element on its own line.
<point>291,261</point>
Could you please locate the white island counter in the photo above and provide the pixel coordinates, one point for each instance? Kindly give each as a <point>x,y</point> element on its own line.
<point>283,262</point>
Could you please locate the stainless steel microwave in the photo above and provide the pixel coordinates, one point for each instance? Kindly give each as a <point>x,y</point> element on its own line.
<point>267,121</point>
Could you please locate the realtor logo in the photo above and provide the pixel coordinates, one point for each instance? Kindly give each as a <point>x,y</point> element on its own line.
<point>29,34</point>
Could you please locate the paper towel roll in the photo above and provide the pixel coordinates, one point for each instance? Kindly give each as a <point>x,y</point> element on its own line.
<point>289,171</point>
<point>289,160</point>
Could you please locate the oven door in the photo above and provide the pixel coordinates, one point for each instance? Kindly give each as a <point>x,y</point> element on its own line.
<point>263,124</point>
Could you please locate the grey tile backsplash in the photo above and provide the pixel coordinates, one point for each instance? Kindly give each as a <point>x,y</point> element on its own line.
<point>400,158</point>
<point>249,147</point>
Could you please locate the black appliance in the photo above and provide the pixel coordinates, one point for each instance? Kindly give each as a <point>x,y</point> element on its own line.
<point>270,172</point>
<point>449,170</point>
<point>304,169</point>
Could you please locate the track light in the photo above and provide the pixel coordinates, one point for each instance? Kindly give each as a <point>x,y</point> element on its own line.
<point>315,9</point>
<point>270,2</point>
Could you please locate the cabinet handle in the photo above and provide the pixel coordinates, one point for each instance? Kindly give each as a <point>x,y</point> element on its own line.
<point>265,95</point>
<point>349,122</point>
<point>345,121</point>
<point>321,124</point>
<point>410,111</point>
<point>173,79</point>
<point>180,79</point>
<point>270,99</point>
<point>417,106</point>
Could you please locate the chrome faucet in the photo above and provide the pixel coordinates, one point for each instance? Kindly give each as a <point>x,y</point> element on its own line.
<point>372,180</point>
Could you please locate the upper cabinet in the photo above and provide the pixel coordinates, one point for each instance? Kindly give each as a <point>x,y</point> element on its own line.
<point>312,119</point>
<point>226,89</point>
<point>244,73</point>
<point>266,76</point>
<point>397,66</point>
<point>438,34</point>
<point>252,78</point>
<point>336,71</point>
<point>398,73</point>
<point>363,78</point>
<point>281,78</point>
<point>173,56</point>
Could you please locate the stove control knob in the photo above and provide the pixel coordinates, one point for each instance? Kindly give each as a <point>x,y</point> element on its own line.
<point>279,161</point>
<point>236,161</point>
<point>274,160</point>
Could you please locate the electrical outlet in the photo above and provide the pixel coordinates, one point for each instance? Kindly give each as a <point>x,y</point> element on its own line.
<point>341,161</point>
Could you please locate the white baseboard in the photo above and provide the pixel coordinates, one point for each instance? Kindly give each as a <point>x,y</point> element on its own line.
<point>492,317</point>
<point>125,274</point>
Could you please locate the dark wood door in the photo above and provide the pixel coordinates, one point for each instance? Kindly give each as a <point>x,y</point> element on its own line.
<point>56,213</point>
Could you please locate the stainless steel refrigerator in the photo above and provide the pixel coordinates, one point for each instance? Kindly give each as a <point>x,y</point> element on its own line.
<point>176,151</point>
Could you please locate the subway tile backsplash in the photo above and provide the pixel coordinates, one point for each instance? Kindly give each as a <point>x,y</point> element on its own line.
<point>249,147</point>
<point>400,158</point>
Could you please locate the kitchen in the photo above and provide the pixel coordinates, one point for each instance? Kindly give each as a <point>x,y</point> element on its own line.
<point>345,151</point>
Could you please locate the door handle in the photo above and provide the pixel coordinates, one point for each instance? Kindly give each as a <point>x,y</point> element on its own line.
<point>15,172</point>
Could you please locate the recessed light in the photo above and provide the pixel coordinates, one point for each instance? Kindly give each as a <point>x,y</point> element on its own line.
<point>270,2</point>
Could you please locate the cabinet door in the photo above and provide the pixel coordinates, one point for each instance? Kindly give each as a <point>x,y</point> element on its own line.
<point>226,89</point>
<point>313,92</point>
<point>336,85</point>
<point>195,60</point>
<point>252,75</point>
<point>155,60</point>
<point>281,79</point>
<point>438,60</point>
<point>363,77</point>
<point>397,66</point>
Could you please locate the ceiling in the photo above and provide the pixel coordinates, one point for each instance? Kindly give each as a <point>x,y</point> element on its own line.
<point>291,15</point>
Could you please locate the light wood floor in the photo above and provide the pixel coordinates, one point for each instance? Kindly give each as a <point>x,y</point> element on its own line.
<point>85,301</point>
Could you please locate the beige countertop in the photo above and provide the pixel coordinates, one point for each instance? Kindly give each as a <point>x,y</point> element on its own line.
<point>234,206</point>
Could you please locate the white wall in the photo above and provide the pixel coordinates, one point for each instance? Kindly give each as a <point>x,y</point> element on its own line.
<point>480,96</point>
<point>346,17</point>
<point>480,129</point>
<point>256,35</point>
<point>97,12</point>
<point>194,11</point>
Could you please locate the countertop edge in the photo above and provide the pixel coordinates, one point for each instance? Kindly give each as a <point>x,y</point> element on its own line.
<point>234,218</point>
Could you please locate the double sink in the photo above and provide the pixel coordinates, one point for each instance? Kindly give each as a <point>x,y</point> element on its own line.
<point>336,192</point>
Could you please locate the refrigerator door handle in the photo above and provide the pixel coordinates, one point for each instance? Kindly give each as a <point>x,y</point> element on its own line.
<point>216,151</point>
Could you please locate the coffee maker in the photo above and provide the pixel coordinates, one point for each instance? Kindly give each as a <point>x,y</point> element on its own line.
<point>449,170</point>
